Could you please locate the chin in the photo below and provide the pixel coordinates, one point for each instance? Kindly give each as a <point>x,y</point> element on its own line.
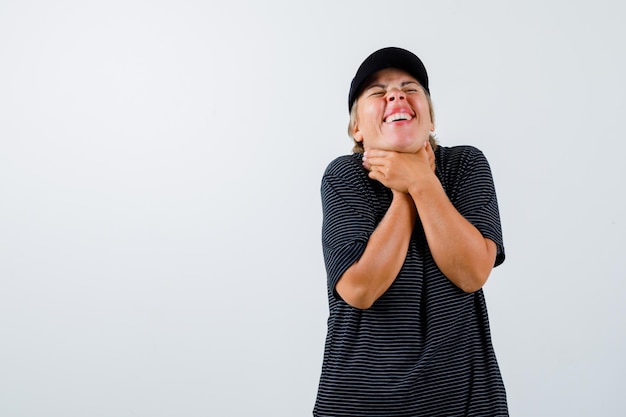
<point>407,145</point>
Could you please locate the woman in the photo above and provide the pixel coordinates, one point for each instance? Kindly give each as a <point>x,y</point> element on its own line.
<point>411,232</point>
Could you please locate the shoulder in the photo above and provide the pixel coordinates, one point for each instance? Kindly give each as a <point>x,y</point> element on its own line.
<point>347,177</point>
<point>455,160</point>
<point>347,168</point>
<point>458,154</point>
<point>462,167</point>
<point>344,164</point>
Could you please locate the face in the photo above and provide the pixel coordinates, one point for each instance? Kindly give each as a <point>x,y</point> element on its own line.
<point>393,113</point>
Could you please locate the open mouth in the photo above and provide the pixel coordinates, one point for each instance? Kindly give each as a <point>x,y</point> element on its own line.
<point>398,117</point>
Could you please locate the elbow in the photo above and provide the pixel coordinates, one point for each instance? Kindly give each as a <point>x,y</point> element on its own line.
<point>471,287</point>
<point>360,304</point>
<point>473,276</point>
<point>473,282</point>
<point>355,296</point>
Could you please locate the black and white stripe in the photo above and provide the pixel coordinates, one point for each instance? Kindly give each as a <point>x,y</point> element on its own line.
<point>424,347</point>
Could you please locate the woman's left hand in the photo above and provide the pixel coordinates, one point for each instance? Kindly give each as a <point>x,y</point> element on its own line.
<point>397,170</point>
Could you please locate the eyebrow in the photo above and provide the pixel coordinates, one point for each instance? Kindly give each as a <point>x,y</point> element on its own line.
<point>380,85</point>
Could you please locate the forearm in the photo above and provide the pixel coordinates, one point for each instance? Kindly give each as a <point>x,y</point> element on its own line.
<point>459,249</point>
<point>368,278</point>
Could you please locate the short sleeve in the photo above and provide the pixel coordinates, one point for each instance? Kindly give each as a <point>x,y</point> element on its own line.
<point>348,219</point>
<point>469,184</point>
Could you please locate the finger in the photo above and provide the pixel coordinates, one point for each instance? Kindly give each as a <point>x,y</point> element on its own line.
<point>374,152</point>
<point>374,175</point>
<point>378,173</point>
<point>369,163</point>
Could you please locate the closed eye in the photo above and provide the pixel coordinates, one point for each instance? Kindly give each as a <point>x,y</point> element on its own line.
<point>411,87</point>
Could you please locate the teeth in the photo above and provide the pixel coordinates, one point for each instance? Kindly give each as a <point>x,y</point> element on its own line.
<point>398,116</point>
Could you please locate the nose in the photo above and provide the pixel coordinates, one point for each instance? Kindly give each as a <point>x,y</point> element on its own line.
<point>395,94</point>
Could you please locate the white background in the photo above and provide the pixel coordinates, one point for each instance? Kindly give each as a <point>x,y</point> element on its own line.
<point>160,216</point>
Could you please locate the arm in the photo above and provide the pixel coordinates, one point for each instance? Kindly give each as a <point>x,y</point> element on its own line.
<point>368,278</point>
<point>458,248</point>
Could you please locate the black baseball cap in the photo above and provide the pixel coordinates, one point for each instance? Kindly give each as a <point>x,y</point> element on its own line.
<point>390,57</point>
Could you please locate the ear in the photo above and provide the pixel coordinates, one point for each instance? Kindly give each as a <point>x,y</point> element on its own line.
<point>356,133</point>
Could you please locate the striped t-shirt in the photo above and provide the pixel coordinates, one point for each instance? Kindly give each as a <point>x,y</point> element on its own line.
<point>424,347</point>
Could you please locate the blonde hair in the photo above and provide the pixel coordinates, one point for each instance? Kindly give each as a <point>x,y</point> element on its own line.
<point>358,146</point>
